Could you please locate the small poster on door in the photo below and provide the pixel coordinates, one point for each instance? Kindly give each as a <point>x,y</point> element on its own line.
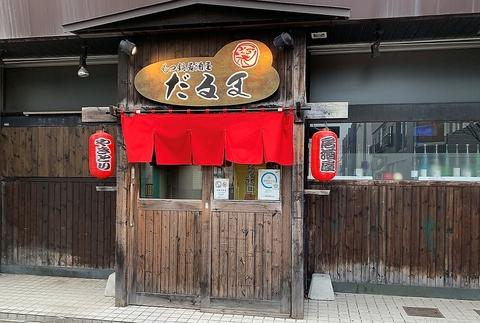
<point>220,189</point>
<point>269,184</point>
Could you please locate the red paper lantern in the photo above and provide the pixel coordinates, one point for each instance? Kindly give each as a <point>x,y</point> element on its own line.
<point>101,155</point>
<point>324,152</point>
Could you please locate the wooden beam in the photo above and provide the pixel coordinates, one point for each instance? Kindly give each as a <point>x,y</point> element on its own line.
<point>97,114</point>
<point>3,223</point>
<point>205,263</point>
<point>242,206</point>
<point>317,192</point>
<point>2,91</point>
<point>327,110</point>
<point>132,211</point>
<point>165,204</point>
<point>299,63</point>
<point>123,183</point>
<point>297,224</point>
<point>286,261</point>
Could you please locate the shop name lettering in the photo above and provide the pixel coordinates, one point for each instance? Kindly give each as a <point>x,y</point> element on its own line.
<point>206,89</point>
<point>103,154</point>
<point>327,154</point>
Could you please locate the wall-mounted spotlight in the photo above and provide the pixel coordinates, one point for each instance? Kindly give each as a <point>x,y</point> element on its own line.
<point>375,47</point>
<point>284,40</point>
<point>82,70</point>
<point>127,47</point>
<point>2,55</point>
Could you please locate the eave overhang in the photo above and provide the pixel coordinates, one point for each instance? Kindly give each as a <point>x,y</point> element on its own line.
<point>109,23</point>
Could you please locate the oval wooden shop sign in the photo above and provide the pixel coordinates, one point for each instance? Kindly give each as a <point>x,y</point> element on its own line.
<point>239,73</point>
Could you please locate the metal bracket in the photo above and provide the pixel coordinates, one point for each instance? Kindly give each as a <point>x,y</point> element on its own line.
<point>298,112</point>
<point>316,192</point>
<point>106,188</point>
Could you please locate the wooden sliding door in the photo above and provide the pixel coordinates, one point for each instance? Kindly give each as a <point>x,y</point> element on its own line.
<point>249,261</point>
<point>212,254</point>
<point>167,250</point>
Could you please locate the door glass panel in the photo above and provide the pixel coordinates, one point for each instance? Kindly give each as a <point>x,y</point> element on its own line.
<point>247,182</point>
<point>171,182</point>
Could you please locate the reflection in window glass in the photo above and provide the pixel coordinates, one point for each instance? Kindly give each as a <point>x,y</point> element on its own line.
<point>171,182</point>
<point>244,182</point>
<point>427,150</point>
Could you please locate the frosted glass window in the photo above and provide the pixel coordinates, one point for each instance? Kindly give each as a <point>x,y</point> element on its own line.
<point>423,150</point>
<point>171,182</point>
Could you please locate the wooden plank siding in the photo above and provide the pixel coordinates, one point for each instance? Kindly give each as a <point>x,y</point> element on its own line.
<point>46,151</point>
<point>408,233</point>
<point>165,252</point>
<point>55,227</point>
<point>53,215</point>
<point>246,258</point>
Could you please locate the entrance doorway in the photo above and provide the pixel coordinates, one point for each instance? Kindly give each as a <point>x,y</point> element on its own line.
<point>208,253</point>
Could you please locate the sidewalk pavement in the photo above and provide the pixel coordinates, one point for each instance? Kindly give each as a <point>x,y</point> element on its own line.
<point>25,298</point>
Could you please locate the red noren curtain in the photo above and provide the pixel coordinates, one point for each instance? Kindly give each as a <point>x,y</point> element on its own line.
<point>208,139</point>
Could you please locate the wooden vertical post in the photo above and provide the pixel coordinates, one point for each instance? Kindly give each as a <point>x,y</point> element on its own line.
<point>3,222</point>
<point>2,89</point>
<point>205,233</point>
<point>298,84</point>
<point>123,184</point>
<point>133,171</point>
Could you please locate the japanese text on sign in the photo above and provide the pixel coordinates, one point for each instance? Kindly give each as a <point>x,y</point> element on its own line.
<point>103,154</point>
<point>241,72</point>
<point>327,154</point>
<point>269,184</point>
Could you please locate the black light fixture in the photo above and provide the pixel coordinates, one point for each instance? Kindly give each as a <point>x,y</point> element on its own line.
<point>375,47</point>
<point>284,40</point>
<point>2,54</point>
<point>127,47</point>
<point>82,70</point>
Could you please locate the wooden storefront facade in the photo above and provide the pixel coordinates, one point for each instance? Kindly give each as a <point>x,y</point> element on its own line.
<point>207,253</point>
<point>246,255</point>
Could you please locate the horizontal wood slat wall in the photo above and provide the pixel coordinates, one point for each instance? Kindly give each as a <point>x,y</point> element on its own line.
<point>61,222</point>
<point>46,151</point>
<point>168,247</point>
<point>419,234</point>
<point>247,255</point>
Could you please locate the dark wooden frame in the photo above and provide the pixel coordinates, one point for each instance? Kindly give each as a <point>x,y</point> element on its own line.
<point>2,89</point>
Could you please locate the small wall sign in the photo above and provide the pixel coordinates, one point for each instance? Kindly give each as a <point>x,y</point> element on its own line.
<point>239,73</point>
<point>269,184</point>
<point>220,188</point>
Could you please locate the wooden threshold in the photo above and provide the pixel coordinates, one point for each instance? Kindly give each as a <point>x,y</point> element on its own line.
<point>168,300</point>
<point>246,206</point>
<point>164,204</point>
<point>244,306</point>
